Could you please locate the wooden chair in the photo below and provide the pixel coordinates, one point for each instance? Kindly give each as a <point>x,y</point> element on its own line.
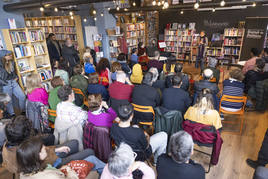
<point>213,80</point>
<point>145,109</point>
<point>78,91</point>
<point>234,99</point>
<point>51,113</point>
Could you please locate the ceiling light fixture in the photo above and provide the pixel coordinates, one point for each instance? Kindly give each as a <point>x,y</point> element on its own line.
<point>196,5</point>
<point>181,12</point>
<point>95,18</point>
<point>244,0</point>
<point>213,10</point>
<point>125,9</point>
<point>71,13</point>
<point>72,17</point>
<point>254,4</point>
<point>117,8</point>
<point>108,8</point>
<point>222,3</point>
<point>56,9</point>
<point>85,19</point>
<point>159,3</point>
<point>163,2</point>
<point>102,14</point>
<point>134,3</point>
<point>166,5</point>
<point>154,2</point>
<point>94,12</point>
<point>42,9</point>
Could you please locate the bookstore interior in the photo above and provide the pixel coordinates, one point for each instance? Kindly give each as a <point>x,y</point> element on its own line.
<point>188,32</point>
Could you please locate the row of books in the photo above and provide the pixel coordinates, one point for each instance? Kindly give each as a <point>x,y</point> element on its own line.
<point>175,26</point>
<point>18,37</point>
<point>36,35</point>
<point>21,51</point>
<point>214,52</point>
<point>232,41</point>
<point>170,49</point>
<point>182,32</point>
<point>140,33</point>
<point>233,32</point>
<point>48,29</point>
<point>231,51</point>
<point>38,49</point>
<point>113,43</point>
<point>132,42</point>
<point>131,34</point>
<point>45,74</point>
<point>70,29</point>
<point>64,36</point>
<point>133,27</point>
<point>49,22</point>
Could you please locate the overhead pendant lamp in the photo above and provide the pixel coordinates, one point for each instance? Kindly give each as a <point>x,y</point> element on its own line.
<point>196,5</point>
<point>165,5</point>
<point>181,12</point>
<point>154,2</point>
<point>56,9</point>
<point>42,9</point>
<point>222,3</point>
<point>254,4</point>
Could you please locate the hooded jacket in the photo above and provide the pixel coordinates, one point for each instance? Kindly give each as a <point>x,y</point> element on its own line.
<point>137,75</point>
<point>4,75</point>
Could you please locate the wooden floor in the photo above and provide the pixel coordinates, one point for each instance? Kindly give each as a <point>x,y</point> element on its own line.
<point>235,149</point>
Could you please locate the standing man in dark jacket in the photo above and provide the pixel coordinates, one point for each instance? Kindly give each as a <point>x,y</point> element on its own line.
<point>70,54</point>
<point>54,48</point>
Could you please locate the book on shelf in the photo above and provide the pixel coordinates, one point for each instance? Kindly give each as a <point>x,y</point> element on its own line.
<point>36,35</point>
<point>49,22</point>
<point>45,74</point>
<point>38,49</point>
<point>23,65</point>
<point>18,37</point>
<point>57,22</point>
<point>70,29</point>
<point>12,23</point>
<point>21,51</point>
<point>58,29</point>
<point>233,32</point>
<point>233,41</point>
<point>113,43</point>
<point>28,23</point>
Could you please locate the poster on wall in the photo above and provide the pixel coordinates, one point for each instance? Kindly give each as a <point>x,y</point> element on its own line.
<point>12,23</point>
<point>1,43</point>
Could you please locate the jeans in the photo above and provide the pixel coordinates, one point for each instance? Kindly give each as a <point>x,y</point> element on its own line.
<point>201,61</point>
<point>98,164</point>
<point>158,143</point>
<point>74,153</point>
<point>13,88</point>
<point>261,173</point>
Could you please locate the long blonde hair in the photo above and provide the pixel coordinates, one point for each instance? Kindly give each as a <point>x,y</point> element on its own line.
<point>204,102</point>
<point>33,81</point>
<point>8,65</point>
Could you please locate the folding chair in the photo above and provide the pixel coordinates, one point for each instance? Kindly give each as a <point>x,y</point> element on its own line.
<point>234,99</point>
<point>79,92</point>
<point>145,109</point>
<point>51,113</point>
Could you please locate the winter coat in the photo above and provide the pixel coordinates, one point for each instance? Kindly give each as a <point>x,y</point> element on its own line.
<point>261,95</point>
<point>71,55</point>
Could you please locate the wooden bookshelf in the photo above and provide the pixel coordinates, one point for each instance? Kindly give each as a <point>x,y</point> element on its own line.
<point>30,53</point>
<point>134,33</point>
<point>214,52</point>
<point>232,44</point>
<point>114,44</point>
<point>62,26</point>
<point>180,42</point>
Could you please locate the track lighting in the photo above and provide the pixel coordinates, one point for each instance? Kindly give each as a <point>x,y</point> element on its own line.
<point>42,9</point>
<point>222,3</point>
<point>56,9</point>
<point>154,2</point>
<point>196,5</point>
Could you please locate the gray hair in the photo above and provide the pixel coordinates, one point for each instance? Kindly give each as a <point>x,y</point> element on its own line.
<point>155,73</point>
<point>4,97</point>
<point>181,146</point>
<point>120,160</point>
<point>212,62</point>
<point>121,76</point>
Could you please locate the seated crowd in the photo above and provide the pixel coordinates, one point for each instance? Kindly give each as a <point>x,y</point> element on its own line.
<point>107,96</point>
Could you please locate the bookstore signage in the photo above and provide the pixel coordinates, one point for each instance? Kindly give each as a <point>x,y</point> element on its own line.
<point>255,33</point>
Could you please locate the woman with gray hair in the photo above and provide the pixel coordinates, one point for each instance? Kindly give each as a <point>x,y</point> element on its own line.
<point>121,164</point>
<point>158,84</point>
<point>177,163</point>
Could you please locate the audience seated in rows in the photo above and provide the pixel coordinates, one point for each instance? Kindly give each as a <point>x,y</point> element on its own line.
<point>35,91</point>
<point>135,137</point>
<point>145,94</point>
<point>175,98</point>
<point>103,70</point>
<point>203,111</point>
<point>53,98</point>
<point>212,64</point>
<point>122,60</point>
<point>122,88</point>
<point>63,70</point>
<point>95,88</point>
<point>88,63</point>
<point>250,64</point>
<point>116,66</point>
<point>156,63</point>
<point>254,75</point>
<point>233,87</point>
<point>136,76</point>
<point>70,118</point>
<point>122,165</point>
<point>99,113</point>
<point>31,155</point>
<point>134,57</point>
<point>177,163</point>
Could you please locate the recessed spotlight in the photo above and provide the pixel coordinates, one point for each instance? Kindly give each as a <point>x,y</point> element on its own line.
<point>196,5</point>
<point>222,3</point>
